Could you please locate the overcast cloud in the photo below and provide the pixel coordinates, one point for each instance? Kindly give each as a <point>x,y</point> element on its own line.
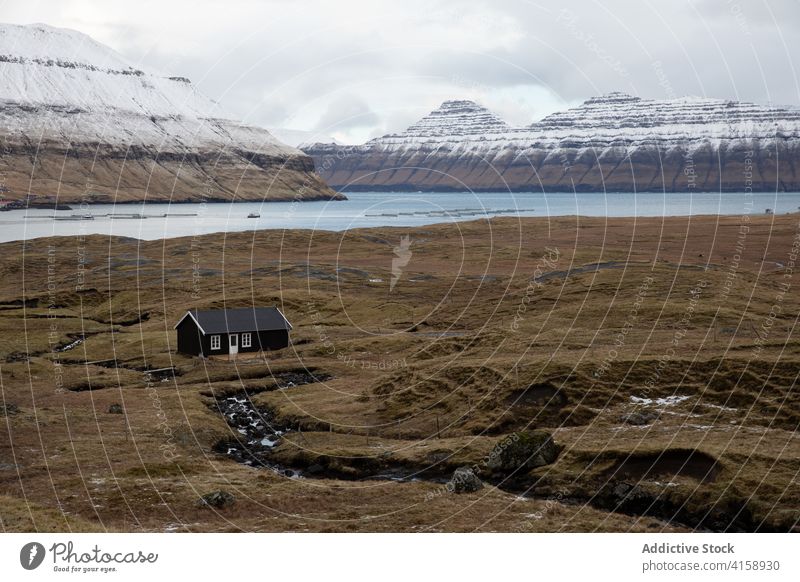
<point>360,69</point>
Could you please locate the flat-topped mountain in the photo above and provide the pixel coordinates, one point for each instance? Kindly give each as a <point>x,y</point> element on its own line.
<point>457,118</point>
<point>79,122</point>
<point>615,142</point>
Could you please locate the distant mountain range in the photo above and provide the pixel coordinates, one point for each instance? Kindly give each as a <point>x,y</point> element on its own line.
<point>78,122</point>
<point>615,142</point>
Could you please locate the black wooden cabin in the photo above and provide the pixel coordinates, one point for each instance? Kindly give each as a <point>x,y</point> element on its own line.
<point>221,332</point>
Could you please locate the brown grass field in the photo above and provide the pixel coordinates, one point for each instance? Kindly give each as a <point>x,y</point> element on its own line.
<point>492,328</point>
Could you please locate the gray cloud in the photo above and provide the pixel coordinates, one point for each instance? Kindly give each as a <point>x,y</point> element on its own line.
<point>345,112</point>
<point>357,69</point>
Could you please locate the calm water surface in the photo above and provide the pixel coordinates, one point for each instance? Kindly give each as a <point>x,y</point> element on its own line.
<point>366,209</point>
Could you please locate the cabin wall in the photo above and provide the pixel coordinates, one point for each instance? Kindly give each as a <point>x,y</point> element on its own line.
<point>192,342</point>
<point>223,345</point>
<point>262,341</point>
<point>271,340</point>
<point>189,337</point>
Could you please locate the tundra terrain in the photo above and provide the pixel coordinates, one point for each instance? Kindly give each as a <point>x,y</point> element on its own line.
<point>594,374</point>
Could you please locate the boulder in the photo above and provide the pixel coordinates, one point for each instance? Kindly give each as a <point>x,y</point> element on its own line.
<point>216,499</point>
<point>626,497</point>
<point>523,451</point>
<point>315,469</point>
<point>8,409</point>
<point>115,409</point>
<point>464,480</point>
<point>638,418</point>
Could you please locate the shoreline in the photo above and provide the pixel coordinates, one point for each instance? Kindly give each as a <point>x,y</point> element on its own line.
<point>621,220</point>
<point>550,190</point>
<point>65,206</point>
<point>72,206</point>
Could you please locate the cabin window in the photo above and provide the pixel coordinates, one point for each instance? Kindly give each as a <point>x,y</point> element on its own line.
<point>247,340</point>
<point>214,342</point>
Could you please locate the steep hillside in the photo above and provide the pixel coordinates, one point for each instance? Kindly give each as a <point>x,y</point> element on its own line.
<point>78,122</point>
<point>611,143</point>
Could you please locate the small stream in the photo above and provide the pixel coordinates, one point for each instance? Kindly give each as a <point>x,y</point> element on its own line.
<point>255,434</point>
<point>256,431</point>
<point>70,345</point>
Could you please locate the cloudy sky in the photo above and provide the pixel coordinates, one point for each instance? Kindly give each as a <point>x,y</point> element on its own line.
<point>357,69</point>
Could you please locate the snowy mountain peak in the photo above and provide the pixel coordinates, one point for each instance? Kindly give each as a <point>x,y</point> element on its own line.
<point>591,147</point>
<point>700,116</point>
<point>48,45</point>
<point>613,98</point>
<point>86,114</point>
<point>460,117</point>
<point>456,105</point>
<point>47,66</point>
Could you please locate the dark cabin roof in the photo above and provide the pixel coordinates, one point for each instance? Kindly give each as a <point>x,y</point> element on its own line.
<point>238,320</point>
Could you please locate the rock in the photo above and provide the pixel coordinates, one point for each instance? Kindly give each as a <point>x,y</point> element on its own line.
<point>217,499</point>
<point>8,409</point>
<point>638,418</point>
<point>116,409</point>
<point>315,469</point>
<point>626,497</point>
<point>523,450</point>
<point>621,490</point>
<point>464,480</point>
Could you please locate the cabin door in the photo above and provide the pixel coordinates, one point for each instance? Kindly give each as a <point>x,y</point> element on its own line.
<point>233,344</point>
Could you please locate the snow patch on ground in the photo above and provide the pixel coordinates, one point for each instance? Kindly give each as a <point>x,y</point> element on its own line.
<point>667,401</point>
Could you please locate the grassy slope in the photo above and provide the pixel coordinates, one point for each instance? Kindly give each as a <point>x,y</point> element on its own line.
<point>514,356</point>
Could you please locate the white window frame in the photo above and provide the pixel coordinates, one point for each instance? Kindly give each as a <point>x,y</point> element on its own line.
<point>247,340</point>
<point>215,342</point>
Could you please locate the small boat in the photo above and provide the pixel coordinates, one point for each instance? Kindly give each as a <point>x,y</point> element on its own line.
<point>254,215</point>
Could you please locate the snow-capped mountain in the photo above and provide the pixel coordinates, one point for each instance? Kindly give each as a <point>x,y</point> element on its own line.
<point>80,122</point>
<point>615,142</point>
<point>457,118</point>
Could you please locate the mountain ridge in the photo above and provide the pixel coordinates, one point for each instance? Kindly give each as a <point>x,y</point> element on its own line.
<point>79,122</point>
<point>609,142</point>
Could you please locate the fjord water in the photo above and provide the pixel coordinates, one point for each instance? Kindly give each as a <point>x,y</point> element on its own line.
<point>368,209</point>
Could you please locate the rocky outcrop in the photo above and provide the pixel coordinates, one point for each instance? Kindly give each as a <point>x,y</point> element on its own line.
<point>8,409</point>
<point>79,123</point>
<point>523,451</point>
<point>639,418</point>
<point>217,500</point>
<point>616,142</point>
<point>464,480</point>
